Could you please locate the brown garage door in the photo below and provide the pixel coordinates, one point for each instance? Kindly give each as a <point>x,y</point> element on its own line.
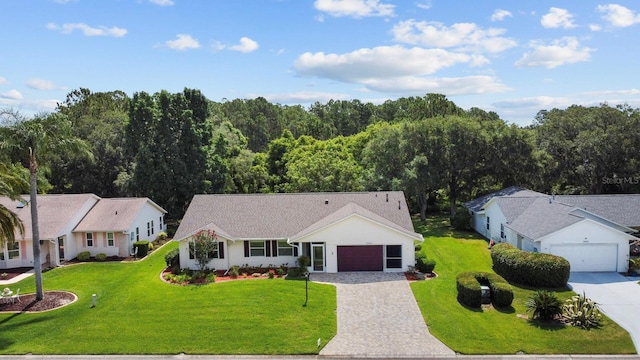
<point>359,258</point>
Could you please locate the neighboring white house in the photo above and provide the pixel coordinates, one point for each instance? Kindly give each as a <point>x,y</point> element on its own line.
<point>557,225</point>
<point>366,231</point>
<point>71,223</point>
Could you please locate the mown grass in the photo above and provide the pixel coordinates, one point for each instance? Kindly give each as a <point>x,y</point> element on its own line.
<point>137,313</point>
<point>492,331</point>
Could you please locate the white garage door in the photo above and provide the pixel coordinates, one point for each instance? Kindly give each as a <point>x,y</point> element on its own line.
<point>588,257</point>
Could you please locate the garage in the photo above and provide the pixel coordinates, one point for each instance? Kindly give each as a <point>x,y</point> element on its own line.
<point>588,257</point>
<point>360,258</point>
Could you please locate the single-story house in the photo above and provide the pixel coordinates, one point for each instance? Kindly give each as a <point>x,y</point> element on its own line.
<point>71,223</point>
<point>359,231</point>
<point>590,237</point>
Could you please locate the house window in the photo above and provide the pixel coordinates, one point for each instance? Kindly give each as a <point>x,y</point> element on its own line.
<point>110,240</point>
<point>148,229</point>
<point>501,231</point>
<point>161,222</point>
<point>213,254</point>
<point>13,250</point>
<point>152,227</point>
<point>394,256</point>
<point>137,234</point>
<point>284,249</point>
<point>488,221</point>
<point>89,239</point>
<point>132,236</point>
<point>256,248</point>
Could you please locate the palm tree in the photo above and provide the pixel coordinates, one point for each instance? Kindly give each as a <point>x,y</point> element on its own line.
<point>39,137</point>
<point>11,185</point>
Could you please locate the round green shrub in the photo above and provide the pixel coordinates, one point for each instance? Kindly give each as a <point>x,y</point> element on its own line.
<point>101,257</point>
<point>172,258</point>
<point>425,265</point>
<point>529,268</point>
<point>162,236</point>
<point>142,247</point>
<point>84,256</point>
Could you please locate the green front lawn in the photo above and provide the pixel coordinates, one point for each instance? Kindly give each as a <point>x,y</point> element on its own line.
<point>473,331</point>
<point>137,313</point>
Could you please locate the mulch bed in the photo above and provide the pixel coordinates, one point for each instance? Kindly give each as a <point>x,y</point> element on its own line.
<point>52,300</point>
<point>11,273</point>
<point>411,276</point>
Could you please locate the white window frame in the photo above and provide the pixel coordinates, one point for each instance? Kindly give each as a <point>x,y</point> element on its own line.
<point>215,254</point>
<point>284,249</point>
<point>89,237</point>
<point>111,240</point>
<point>13,252</point>
<point>387,257</point>
<point>260,250</point>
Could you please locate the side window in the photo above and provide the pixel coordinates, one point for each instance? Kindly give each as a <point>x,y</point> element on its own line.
<point>89,239</point>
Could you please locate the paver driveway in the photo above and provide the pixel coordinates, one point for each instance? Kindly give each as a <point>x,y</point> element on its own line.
<point>378,316</point>
<point>617,296</point>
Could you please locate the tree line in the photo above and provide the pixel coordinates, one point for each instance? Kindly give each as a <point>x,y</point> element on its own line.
<point>170,146</point>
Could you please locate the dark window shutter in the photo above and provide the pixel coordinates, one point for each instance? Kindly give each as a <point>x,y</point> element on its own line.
<point>274,247</point>
<point>246,248</point>
<point>221,250</point>
<point>295,251</point>
<point>268,248</point>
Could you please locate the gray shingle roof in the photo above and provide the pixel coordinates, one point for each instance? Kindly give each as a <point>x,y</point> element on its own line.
<point>542,217</point>
<point>54,212</point>
<point>281,216</point>
<point>477,204</point>
<point>514,206</point>
<point>623,209</point>
<point>115,214</point>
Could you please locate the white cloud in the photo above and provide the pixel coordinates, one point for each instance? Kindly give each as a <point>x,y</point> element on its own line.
<point>3,80</point>
<point>354,8</point>
<point>40,84</point>
<point>464,36</point>
<point>535,102</point>
<point>12,94</point>
<point>183,42</point>
<point>603,93</point>
<point>480,84</point>
<point>425,4</point>
<point>246,45</point>
<point>618,15</point>
<point>399,70</point>
<point>595,27</point>
<point>558,18</point>
<point>162,2</point>
<point>88,30</point>
<point>500,15</point>
<point>560,52</point>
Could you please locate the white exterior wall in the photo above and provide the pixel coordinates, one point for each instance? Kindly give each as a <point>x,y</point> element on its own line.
<point>496,217</point>
<point>214,264</point>
<point>479,223</point>
<point>100,244</point>
<point>71,247</point>
<point>356,230</point>
<point>590,232</point>
<point>147,214</point>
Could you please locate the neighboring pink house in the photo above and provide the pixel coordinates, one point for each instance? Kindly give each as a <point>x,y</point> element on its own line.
<point>71,223</point>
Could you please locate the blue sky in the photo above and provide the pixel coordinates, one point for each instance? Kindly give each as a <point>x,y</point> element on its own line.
<point>511,57</point>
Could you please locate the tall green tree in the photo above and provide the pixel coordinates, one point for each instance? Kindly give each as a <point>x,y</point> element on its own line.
<point>35,139</point>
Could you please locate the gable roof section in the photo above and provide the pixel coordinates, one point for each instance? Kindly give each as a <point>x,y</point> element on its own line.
<point>281,216</point>
<point>623,209</point>
<point>55,211</point>
<point>478,204</point>
<point>115,214</point>
<point>349,210</point>
<point>543,217</point>
<point>513,206</point>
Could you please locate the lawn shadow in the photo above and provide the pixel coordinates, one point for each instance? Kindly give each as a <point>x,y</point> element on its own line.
<point>474,309</point>
<point>552,325</point>
<point>505,309</point>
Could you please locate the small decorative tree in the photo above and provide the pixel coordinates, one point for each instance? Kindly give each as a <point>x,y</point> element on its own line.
<point>203,247</point>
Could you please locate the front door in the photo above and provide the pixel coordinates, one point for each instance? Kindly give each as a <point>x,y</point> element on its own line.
<point>317,257</point>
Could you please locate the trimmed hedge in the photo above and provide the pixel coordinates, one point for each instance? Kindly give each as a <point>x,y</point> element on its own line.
<point>529,268</point>
<point>423,264</point>
<point>143,248</point>
<point>84,256</point>
<point>101,257</point>
<point>470,293</point>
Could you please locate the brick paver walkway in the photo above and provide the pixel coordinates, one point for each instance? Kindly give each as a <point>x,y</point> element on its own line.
<point>378,316</point>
